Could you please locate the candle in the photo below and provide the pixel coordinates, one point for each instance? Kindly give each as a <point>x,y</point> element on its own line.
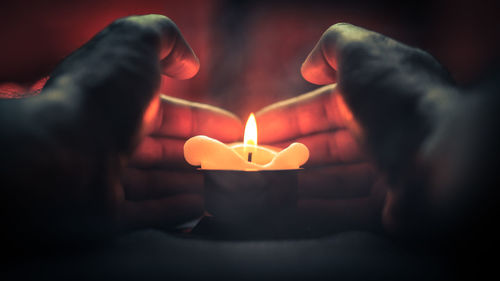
<point>247,184</point>
<point>212,154</point>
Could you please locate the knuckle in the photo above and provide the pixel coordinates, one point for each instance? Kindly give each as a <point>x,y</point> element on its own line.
<point>151,29</point>
<point>132,25</point>
<point>337,30</point>
<point>129,21</point>
<point>355,48</point>
<point>332,33</point>
<point>341,36</point>
<point>166,23</point>
<point>148,24</point>
<point>338,27</point>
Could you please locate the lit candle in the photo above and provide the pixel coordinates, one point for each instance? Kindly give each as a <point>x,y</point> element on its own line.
<point>212,154</point>
<point>250,137</point>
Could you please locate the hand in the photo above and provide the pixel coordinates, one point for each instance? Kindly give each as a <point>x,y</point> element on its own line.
<point>394,93</point>
<point>160,187</point>
<point>68,146</point>
<point>338,188</point>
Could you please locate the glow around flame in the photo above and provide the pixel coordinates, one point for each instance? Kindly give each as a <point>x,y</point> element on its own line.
<point>250,138</point>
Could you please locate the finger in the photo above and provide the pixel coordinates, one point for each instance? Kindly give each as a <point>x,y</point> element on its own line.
<point>130,48</point>
<point>165,212</point>
<point>336,182</point>
<point>178,59</point>
<point>395,91</point>
<point>317,111</point>
<point>113,78</point>
<point>183,119</point>
<point>317,69</point>
<point>147,184</point>
<point>159,33</point>
<point>337,147</point>
<point>321,65</point>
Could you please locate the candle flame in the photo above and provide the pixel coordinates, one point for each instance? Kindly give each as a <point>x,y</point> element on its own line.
<point>250,138</point>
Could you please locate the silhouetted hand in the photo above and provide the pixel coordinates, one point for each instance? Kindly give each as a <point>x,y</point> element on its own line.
<point>160,187</point>
<point>65,149</point>
<point>338,187</point>
<point>404,109</point>
<point>395,93</point>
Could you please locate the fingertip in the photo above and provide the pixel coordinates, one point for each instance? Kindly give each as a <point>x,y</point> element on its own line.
<point>178,60</point>
<point>182,63</point>
<point>316,68</point>
<point>195,66</point>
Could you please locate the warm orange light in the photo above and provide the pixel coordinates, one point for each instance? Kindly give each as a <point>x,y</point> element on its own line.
<point>250,139</point>
<point>212,154</point>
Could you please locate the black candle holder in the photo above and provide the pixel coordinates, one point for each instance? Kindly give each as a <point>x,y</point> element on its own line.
<point>251,197</point>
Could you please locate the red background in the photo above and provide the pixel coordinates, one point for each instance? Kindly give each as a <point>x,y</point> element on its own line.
<point>250,51</point>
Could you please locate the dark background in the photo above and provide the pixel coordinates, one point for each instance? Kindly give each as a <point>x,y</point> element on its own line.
<point>250,51</point>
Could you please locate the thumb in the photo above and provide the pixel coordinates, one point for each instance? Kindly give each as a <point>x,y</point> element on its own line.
<point>394,91</point>
<point>321,65</point>
<point>112,79</point>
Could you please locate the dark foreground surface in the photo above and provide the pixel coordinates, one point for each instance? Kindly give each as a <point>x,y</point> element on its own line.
<point>155,255</point>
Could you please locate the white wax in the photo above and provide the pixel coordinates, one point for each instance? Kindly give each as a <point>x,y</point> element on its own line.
<point>212,154</point>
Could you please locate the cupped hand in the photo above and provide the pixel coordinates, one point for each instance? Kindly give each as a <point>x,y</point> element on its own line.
<point>338,187</point>
<point>161,189</point>
<point>399,96</point>
<point>382,110</point>
<point>75,138</point>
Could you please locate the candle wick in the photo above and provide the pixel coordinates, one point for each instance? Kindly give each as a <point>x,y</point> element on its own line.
<point>250,157</point>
